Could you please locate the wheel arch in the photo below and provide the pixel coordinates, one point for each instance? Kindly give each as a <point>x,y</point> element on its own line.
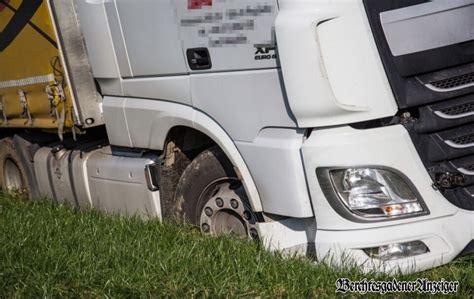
<point>150,123</point>
<point>224,142</point>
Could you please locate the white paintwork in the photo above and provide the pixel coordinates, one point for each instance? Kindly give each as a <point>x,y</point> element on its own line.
<point>292,236</point>
<point>340,248</point>
<point>387,147</point>
<point>81,181</point>
<point>55,167</point>
<point>100,48</point>
<point>118,185</point>
<point>245,22</point>
<point>57,181</point>
<point>150,30</point>
<point>42,172</point>
<point>174,88</point>
<point>446,237</point>
<point>319,93</point>
<point>243,103</point>
<point>110,86</point>
<point>116,122</point>
<point>427,26</point>
<point>116,33</point>
<point>96,179</point>
<point>333,75</point>
<point>274,159</point>
<point>149,122</point>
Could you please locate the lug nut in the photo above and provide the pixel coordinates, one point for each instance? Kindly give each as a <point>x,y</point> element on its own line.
<point>234,203</point>
<point>206,228</point>
<point>247,215</point>
<point>253,233</point>
<point>208,211</point>
<point>219,202</point>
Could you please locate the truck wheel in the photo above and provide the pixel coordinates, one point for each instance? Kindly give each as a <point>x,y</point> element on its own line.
<point>210,195</point>
<point>13,177</point>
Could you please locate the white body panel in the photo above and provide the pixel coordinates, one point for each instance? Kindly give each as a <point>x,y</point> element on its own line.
<point>96,179</point>
<point>319,93</point>
<point>387,147</point>
<point>325,73</point>
<point>151,120</point>
<point>175,88</point>
<point>428,26</point>
<point>118,185</point>
<point>236,29</point>
<point>55,168</point>
<point>151,35</point>
<point>274,160</point>
<point>242,107</point>
<point>445,237</point>
<point>99,42</point>
<point>447,230</point>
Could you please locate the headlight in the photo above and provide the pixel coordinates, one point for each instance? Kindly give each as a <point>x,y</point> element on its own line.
<point>375,192</point>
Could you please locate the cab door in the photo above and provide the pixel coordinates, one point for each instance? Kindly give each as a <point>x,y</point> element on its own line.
<point>227,34</point>
<point>151,34</point>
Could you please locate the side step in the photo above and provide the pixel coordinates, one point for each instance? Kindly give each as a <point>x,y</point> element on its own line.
<point>99,180</point>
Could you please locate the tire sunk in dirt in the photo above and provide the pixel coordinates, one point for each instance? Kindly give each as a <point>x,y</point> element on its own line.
<point>210,195</point>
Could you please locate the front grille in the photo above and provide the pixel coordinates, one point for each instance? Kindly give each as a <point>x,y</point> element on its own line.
<point>454,82</point>
<point>464,140</point>
<point>469,168</point>
<point>446,145</point>
<point>458,110</point>
<point>436,86</point>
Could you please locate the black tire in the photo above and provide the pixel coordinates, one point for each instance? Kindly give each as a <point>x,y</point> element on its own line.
<point>10,160</point>
<point>210,166</point>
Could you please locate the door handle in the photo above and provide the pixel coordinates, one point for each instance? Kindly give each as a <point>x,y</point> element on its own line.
<point>199,59</point>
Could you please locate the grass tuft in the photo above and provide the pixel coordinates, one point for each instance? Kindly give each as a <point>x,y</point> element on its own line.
<point>54,251</point>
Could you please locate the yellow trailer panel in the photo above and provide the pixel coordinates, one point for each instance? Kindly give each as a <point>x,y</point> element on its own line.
<point>33,86</point>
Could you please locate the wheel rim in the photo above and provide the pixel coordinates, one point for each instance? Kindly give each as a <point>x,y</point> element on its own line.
<point>225,212</point>
<point>12,175</point>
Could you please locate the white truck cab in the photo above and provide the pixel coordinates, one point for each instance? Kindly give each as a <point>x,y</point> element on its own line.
<point>343,128</point>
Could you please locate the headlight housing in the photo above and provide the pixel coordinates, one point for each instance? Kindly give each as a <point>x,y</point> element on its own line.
<point>374,193</point>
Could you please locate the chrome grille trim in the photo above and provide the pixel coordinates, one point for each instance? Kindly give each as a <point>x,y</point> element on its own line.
<point>452,84</point>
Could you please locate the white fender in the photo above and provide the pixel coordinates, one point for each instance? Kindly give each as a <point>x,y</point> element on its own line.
<point>144,123</point>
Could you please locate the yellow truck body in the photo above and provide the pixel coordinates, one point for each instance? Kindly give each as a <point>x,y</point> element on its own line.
<point>33,87</point>
<point>36,89</point>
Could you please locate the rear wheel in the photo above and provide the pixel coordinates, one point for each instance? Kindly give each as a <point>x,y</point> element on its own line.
<point>209,195</point>
<point>13,178</point>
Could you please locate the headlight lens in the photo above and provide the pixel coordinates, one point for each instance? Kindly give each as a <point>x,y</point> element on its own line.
<point>372,192</point>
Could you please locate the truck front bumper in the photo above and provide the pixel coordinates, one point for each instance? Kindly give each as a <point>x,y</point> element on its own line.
<point>446,230</point>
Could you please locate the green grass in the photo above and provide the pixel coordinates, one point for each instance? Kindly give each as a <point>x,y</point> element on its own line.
<point>54,251</point>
